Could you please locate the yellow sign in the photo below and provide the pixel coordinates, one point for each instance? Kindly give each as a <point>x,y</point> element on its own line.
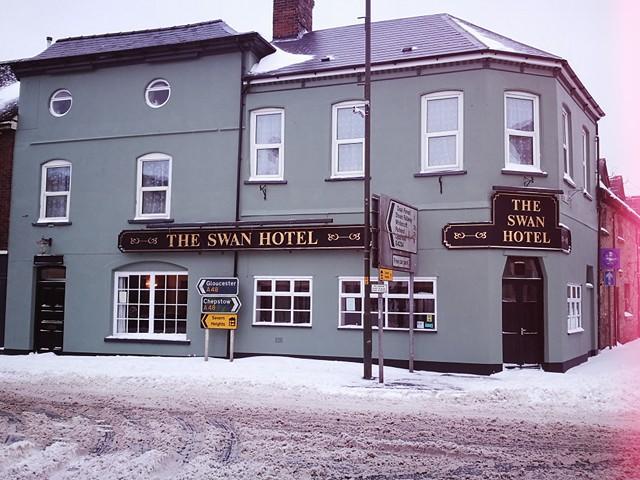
<point>385,274</point>
<point>225,321</point>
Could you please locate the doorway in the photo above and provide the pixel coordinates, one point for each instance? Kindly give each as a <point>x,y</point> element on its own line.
<point>49,311</point>
<point>522,312</point>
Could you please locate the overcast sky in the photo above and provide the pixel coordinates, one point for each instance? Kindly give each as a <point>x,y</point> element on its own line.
<point>599,38</point>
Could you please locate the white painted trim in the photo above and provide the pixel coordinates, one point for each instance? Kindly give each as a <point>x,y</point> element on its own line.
<point>4,252</point>
<point>151,157</point>
<point>335,142</point>
<point>586,170</point>
<point>535,135</point>
<point>425,136</point>
<point>567,160</point>
<point>256,146</point>
<point>44,194</point>
<point>154,88</point>
<point>60,95</point>
<point>577,302</point>
<point>290,294</point>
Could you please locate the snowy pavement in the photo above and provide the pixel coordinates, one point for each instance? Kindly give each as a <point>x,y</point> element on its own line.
<point>64,417</point>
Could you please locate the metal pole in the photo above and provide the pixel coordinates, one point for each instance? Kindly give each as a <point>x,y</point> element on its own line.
<point>366,324</point>
<point>380,329</point>
<point>206,345</point>
<point>411,339</point>
<point>231,344</point>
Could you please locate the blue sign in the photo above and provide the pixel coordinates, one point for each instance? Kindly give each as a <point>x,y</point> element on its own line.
<point>610,258</point>
<point>609,279</point>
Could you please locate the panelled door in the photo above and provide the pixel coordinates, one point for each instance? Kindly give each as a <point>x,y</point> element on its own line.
<point>49,312</point>
<point>522,312</point>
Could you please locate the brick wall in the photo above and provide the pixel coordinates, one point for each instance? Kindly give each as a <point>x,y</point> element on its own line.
<point>292,18</point>
<point>7,135</point>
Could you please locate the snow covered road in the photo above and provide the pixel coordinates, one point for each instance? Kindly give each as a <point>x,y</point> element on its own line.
<point>274,418</point>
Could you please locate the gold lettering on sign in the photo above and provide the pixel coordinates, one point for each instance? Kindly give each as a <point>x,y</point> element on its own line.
<point>525,221</point>
<point>226,239</point>
<point>521,205</point>
<point>183,240</point>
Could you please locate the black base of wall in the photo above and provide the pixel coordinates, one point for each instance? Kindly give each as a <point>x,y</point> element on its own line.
<point>12,351</point>
<point>561,367</point>
<point>443,367</point>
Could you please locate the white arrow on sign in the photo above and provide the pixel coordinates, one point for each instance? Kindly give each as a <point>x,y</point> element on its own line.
<point>402,225</point>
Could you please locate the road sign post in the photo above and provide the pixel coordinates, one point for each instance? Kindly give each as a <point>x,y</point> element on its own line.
<point>219,307</point>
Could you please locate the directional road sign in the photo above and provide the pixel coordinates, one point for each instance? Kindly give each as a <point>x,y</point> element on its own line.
<point>218,286</point>
<point>220,304</point>
<point>224,321</point>
<point>402,225</point>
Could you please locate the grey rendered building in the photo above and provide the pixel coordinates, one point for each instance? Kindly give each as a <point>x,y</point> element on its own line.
<point>223,155</point>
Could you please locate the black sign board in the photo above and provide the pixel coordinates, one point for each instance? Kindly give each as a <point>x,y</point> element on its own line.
<point>520,220</point>
<point>218,286</point>
<point>214,239</point>
<point>220,304</point>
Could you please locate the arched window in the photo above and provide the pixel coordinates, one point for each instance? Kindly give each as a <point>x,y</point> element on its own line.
<point>347,145</point>
<point>153,185</point>
<point>442,121</point>
<point>55,191</point>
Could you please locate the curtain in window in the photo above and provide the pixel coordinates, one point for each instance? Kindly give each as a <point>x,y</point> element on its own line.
<point>267,161</point>
<point>520,114</point>
<point>442,115</point>
<point>58,179</point>
<point>56,206</point>
<point>154,202</point>
<point>155,173</point>
<point>442,150</point>
<point>350,124</point>
<point>350,157</point>
<point>520,150</point>
<point>268,128</point>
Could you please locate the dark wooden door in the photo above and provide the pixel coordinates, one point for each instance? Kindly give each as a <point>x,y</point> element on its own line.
<point>49,314</point>
<point>522,315</point>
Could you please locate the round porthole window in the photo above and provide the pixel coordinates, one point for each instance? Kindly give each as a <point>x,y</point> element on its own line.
<point>60,103</point>
<point>157,93</point>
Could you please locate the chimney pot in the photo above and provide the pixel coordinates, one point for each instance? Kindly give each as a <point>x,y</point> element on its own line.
<point>49,41</point>
<point>292,18</point>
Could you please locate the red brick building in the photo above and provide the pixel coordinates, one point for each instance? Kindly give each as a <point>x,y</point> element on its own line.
<point>620,229</point>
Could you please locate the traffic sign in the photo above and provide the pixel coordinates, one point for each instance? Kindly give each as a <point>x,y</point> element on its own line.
<point>609,279</point>
<point>224,321</point>
<point>402,226</point>
<point>217,304</point>
<point>378,288</point>
<point>610,258</point>
<point>218,286</point>
<point>385,274</point>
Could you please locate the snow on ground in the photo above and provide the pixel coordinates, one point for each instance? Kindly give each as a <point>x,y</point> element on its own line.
<point>606,385</point>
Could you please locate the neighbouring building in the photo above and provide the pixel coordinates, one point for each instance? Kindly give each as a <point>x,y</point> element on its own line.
<point>620,230</point>
<point>151,160</point>
<point>8,122</point>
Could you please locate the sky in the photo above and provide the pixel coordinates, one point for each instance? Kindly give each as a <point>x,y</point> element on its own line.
<point>599,38</point>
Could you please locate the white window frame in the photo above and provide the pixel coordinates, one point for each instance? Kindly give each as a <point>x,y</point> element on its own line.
<point>60,95</point>
<point>44,194</point>
<point>153,88</point>
<point>567,160</point>
<point>574,308</point>
<point>386,297</point>
<point>151,157</point>
<point>586,166</point>
<point>291,294</point>
<point>335,142</point>
<point>535,134</point>
<point>152,293</point>
<point>258,146</point>
<point>425,136</point>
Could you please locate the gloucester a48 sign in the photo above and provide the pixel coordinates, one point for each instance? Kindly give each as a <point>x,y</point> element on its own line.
<point>519,220</point>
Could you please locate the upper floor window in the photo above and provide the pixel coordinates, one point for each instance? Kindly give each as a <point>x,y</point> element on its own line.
<point>267,144</point>
<point>157,93</point>
<point>153,186</point>
<point>347,154</point>
<point>60,103</point>
<point>566,145</point>
<point>55,191</point>
<point>586,165</point>
<point>442,131</point>
<point>522,131</point>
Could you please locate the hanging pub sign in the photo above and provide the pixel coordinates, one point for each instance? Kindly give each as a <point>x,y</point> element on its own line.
<point>216,239</point>
<point>519,220</point>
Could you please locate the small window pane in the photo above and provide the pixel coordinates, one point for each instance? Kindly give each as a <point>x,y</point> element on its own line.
<point>155,173</point>
<point>263,285</point>
<point>154,202</point>
<point>301,286</point>
<point>283,286</point>
<point>399,287</point>
<point>283,302</point>
<point>56,206</point>
<point>350,124</point>
<point>520,114</point>
<point>351,319</point>
<point>282,317</point>
<point>520,150</point>
<point>397,321</point>
<point>350,157</point>
<point>268,128</point>
<point>442,115</point>
<point>263,302</point>
<point>301,317</point>
<point>302,303</point>
<point>263,316</point>
<point>267,161</point>
<point>423,287</point>
<point>58,179</point>
<point>351,287</point>
<point>442,150</point>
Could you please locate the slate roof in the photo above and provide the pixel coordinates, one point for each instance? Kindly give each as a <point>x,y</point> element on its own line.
<point>114,42</point>
<point>616,185</point>
<point>431,35</point>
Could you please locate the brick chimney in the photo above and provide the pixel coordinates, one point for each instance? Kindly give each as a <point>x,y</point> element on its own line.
<point>291,18</point>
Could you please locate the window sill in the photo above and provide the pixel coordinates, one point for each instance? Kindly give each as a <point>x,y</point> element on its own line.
<point>375,327</point>
<point>569,181</point>
<point>295,325</point>
<point>155,340</point>
<point>256,181</point>
<point>587,195</point>
<point>148,221</point>
<point>527,173</point>
<point>49,223</point>
<point>344,179</point>
<point>439,173</point>
<point>575,330</point>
